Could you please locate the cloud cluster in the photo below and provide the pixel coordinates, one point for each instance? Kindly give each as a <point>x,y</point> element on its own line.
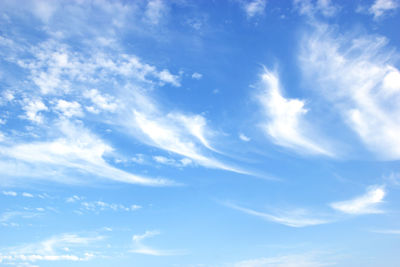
<point>64,247</point>
<point>71,85</point>
<point>101,206</point>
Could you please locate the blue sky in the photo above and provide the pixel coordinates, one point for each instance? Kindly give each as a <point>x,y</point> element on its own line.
<point>199,133</point>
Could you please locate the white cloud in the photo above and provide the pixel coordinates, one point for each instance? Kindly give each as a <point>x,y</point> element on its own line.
<point>139,159</point>
<point>381,7</point>
<point>140,248</point>
<point>284,118</point>
<point>164,160</point>
<point>44,9</point>
<point>102,206</point>
<point>387,231</point>
<point>292,218</point>
<point>135,207</point>
<point>365,204</point>
<point>355,73</point>
<point>196,125</point>
<point>166,76</point>
<point>393,178</point>
<point>8,95</point>
<point>53,68</point>
<point>311,8</point>
<point>244,137</point>
<point>310,259</point>
<point>52,249</point>
<point>10,193</point>
<point>32,108</point>
<point>255,7</point>
<point>147,234</point>
<point>74,198</point>
<point>180,134</point>
<point>170,161</point>
<point>25,194</point>
<point>103,102</point>
<point>77,150</point>
<point>186,161</point>
<point>9,215</point>
<point>95,79</point>
<point>176,132</point>
<point>44,196</point>
<point>304,7</point>
<point>97,206</point>
<point>197,76</point>
<point>326,7</point>
<point>155,11</point>
<point>53,61</point>
<point>69,109</point>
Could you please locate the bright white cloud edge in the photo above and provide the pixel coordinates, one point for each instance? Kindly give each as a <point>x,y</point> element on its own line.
<point>284,120</point>
<point>364,204</point>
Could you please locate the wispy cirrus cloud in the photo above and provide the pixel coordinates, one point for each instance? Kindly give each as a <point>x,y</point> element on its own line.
<point>291,218</point>
<point>364,204</point>
<point>357,74</point>
<point>367,203</point>
<point>387,231</point>
<point>308,259</point>
<point>76,149</point>
<point>141,248</point>
<point>7,216</point>
<point>182,134</point>
<point>284,120</point>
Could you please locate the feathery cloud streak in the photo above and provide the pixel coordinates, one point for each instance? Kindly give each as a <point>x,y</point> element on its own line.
<point>78,149</point>
<point>292,218</point>
<point>140,248</point>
